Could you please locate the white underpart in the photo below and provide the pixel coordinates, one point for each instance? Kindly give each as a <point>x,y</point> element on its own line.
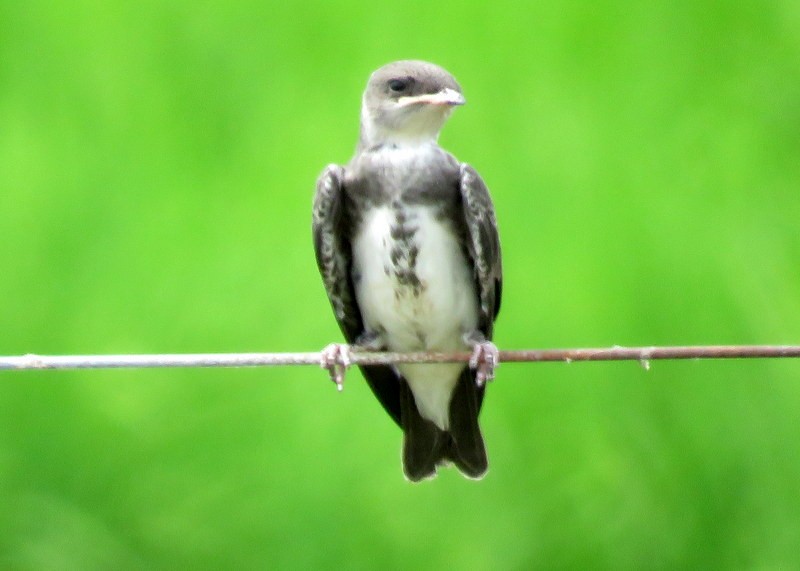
<point>418,129</point>
<point>436,319</point>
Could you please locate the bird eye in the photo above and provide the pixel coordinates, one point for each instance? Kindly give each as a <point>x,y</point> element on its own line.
<point>398,85</point>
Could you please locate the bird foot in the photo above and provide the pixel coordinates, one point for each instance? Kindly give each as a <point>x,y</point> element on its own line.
<point>485,358</point>
<point>336,358</point>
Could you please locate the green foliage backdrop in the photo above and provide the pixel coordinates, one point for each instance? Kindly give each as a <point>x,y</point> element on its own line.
<point>157,161</point>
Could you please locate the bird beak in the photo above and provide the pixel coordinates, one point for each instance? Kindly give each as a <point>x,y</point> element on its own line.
<point>446,96</point>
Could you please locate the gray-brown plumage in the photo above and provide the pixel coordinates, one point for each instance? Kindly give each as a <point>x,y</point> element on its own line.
<point>406,242</point>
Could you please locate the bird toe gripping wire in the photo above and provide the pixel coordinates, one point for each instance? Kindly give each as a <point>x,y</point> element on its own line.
<point>336,358</point>
<point>485,359</point>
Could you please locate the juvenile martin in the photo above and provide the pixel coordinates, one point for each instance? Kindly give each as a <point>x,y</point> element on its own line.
<point>406,242</point>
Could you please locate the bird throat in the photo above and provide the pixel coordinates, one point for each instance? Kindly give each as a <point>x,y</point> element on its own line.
<point>419,128</point>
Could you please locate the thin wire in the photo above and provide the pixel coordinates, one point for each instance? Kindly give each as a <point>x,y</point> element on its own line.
<point>642,354</point>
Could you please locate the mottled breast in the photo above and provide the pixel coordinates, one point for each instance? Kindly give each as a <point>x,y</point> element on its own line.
<point>413,279</point>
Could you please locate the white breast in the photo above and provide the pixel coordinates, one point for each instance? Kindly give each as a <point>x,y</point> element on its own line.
<point>435,317</point>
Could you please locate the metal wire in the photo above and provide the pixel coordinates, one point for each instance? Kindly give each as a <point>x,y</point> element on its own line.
<point>641,354</point>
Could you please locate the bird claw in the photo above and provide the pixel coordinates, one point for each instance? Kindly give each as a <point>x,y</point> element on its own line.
<point>485,358</point>
<point>336,359</point>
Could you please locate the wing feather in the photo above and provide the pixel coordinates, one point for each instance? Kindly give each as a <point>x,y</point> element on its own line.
<point>483,244</point>
<point>332,249</point>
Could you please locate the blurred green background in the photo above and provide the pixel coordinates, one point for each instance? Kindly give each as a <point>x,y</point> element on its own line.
<point>157,162</point>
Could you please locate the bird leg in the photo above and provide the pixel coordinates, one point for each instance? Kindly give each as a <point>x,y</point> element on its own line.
<point>336,359</point>
<point>371,341</point>
<point>485,357</point>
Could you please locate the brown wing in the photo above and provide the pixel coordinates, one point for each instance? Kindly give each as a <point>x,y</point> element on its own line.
<point>483,245</point>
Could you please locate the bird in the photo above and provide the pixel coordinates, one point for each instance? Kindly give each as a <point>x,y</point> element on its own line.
<point>407,245</point>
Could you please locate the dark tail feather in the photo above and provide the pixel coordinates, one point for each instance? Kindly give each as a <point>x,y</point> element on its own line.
<point>425,446</point>
<point>423,442</point>
<point>467,450</point>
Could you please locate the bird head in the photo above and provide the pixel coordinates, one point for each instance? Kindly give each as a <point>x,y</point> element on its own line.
<point>406,103</point>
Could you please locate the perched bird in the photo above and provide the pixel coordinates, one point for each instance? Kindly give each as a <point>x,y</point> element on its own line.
<point>406,242</point>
